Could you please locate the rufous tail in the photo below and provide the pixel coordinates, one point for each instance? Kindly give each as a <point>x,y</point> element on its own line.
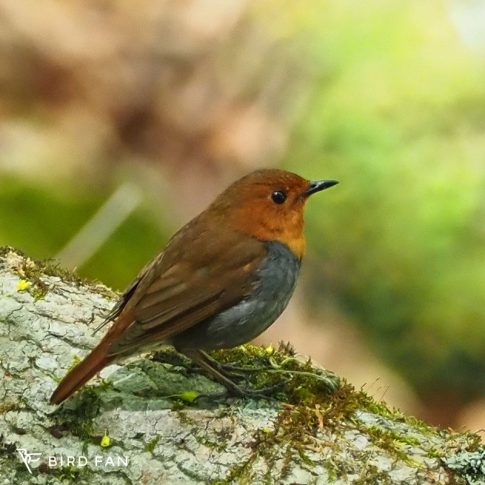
<point>94,362</point>
<point>80,374</point>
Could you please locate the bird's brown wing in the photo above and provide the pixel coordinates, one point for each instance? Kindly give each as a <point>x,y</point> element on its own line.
<point>189,283</point>
<point>128,293</point>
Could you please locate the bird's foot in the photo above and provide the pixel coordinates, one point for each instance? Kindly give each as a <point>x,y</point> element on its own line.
<point>228,370</point>
<point>233,389</point>
<point>261,392</point>
<point>225,377</point>
<point>237,369</point>
<point>232,370</point>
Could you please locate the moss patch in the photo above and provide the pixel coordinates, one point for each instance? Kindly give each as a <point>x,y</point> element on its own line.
<point>311,401</point>
<point>150,446</point>
<point>71,474</point>
<point>299,380</point>
<point>75,416</point>
<point>32,271</point>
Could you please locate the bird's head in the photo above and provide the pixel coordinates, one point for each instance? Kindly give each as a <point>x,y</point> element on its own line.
<point>268,204</point>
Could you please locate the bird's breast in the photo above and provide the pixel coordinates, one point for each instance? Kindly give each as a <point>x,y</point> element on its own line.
<point>273,284</point>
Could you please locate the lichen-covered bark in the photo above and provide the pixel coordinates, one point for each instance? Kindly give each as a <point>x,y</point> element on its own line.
<point>136,423</point>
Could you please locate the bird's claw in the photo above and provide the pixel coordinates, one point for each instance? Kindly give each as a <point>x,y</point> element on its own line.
<point>264,391</point>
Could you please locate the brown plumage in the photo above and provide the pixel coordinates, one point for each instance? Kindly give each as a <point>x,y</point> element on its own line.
<point>220,281</point>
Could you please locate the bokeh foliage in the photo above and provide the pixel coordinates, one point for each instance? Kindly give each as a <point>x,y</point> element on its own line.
<point>397,113</point>
<point>391,103</point>
<point>40,219</point>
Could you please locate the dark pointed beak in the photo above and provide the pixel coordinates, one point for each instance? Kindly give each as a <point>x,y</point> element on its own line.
<point>318,185</point>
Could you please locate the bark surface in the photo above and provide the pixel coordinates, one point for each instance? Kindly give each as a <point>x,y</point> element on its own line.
<point>140,423</point>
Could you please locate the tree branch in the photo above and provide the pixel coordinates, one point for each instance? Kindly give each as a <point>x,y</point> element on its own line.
<point>159,420</point>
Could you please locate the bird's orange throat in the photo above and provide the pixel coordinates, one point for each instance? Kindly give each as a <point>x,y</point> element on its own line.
<point>291,238</point>
<point>288,231</point>
<point>297,247</point>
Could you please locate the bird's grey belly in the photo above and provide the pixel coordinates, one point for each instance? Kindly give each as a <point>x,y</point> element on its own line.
<point>274,285</point>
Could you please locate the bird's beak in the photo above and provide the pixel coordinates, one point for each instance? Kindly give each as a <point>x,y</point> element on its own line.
<point>318,185</point>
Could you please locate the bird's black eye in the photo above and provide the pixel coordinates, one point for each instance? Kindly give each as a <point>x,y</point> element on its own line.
<point>278,196</point>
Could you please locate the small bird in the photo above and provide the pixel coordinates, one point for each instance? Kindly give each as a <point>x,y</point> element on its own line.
<point>221,280</point>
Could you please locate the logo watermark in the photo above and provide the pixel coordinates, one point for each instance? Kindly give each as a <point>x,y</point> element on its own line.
<point>59,461</point>
<point>28,458</point>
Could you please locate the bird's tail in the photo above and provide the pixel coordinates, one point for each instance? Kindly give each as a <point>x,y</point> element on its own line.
<point>99,358</point>
<point>80,374</point>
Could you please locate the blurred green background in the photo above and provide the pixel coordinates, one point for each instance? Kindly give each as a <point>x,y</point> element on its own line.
<point>163,106</point>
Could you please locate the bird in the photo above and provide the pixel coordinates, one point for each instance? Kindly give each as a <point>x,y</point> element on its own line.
<point>220,281</point>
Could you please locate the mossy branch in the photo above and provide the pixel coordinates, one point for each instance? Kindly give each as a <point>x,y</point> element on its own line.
<point>157,419</point>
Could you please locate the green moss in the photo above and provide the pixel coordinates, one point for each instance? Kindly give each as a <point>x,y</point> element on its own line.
<point>77,414</point>
<point>299,381</point>
<point>391,441</point>
<point>294,429</point>
<point>371,475</point>
<point>218,446</point>
<point>310,404</point>
<point>70,473</point>
<point>8,406</point>
<point>241,473</point>
<point>150,446</point>
<point>185,419</point>
<point>313,399</point>
<point>33,270</point>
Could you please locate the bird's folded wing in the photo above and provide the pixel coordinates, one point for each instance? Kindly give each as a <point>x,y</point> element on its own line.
<point>128,293</point>
<point>200,284</point>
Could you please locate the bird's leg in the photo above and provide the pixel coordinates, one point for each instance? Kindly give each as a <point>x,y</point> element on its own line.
<point>227,370</point>
<point>232,370</point>
<point>206,362</point>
